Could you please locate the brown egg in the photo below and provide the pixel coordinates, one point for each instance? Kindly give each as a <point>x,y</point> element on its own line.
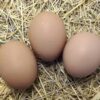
<point>81,55</point>
<point>18,65</point>
<point>47,35</point>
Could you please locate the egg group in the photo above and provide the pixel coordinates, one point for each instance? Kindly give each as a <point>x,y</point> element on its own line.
<point>47,36</point>
<point>18,64</point>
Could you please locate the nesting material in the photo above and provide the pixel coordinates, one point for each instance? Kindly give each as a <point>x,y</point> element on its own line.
<point>53,83</point>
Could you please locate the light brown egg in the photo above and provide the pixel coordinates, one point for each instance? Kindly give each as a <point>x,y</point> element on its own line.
<point>18,65</point>
<point>47,35</point>
<point>81,55</point>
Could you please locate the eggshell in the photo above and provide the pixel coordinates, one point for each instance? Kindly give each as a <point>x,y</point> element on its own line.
<point>18,65</point>
<point>81,55</point>
<point>47,35</point>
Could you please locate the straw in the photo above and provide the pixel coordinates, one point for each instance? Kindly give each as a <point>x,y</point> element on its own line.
<point>53,82</point>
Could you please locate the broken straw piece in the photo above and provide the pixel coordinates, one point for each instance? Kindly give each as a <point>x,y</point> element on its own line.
<point>45,1</point>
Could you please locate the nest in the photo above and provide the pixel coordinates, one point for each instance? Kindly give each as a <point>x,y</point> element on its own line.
<point>53,82</point>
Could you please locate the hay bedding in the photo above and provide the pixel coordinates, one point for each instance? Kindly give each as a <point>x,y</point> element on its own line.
<point>53,83</point>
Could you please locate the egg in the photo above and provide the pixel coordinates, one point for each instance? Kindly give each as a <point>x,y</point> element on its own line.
<point>18,65</point>
<point>81,54</point>
<point>47,35</point>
